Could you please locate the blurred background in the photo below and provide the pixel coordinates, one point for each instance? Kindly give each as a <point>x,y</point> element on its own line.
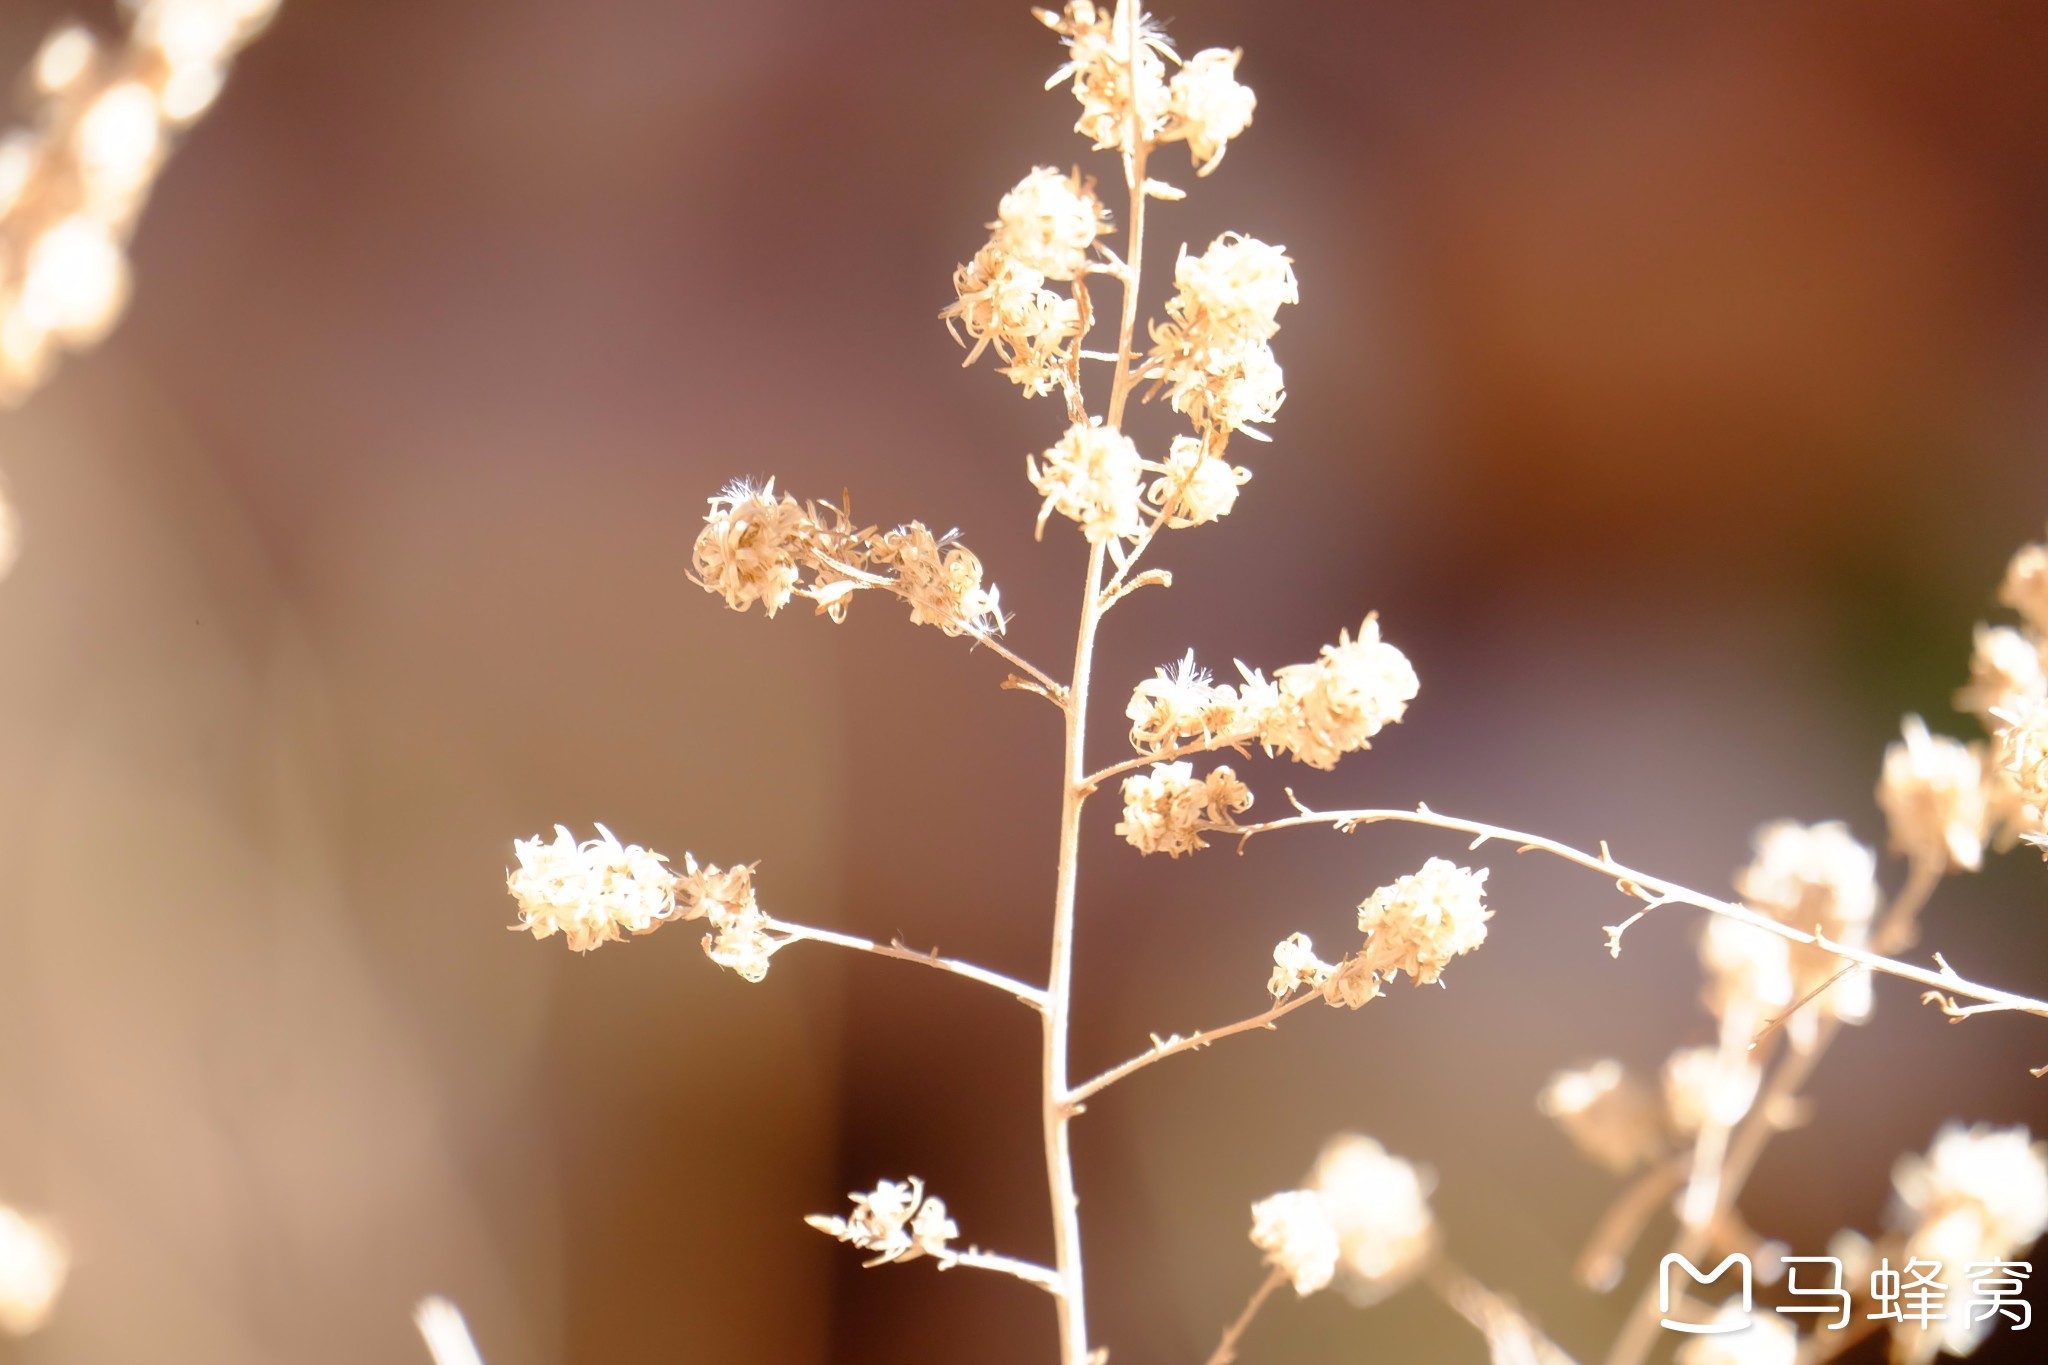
<point>1672,379</point>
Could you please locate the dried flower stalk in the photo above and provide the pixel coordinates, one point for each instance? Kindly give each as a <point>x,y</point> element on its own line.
<point>1787,963</point>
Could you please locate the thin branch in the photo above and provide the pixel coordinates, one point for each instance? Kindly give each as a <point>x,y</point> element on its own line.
<point>1771,1026</point>
<point>1600,1265</point>
<point>1026,1271</point>
<point>797,933</point>
<point>1051,690</point>
<point>1150,578</point>
<point>1654,891</point>
<point>1226,1349</point>
<point>1115,588</point>
<point>1170,753</point>
<point>1162,1048</point>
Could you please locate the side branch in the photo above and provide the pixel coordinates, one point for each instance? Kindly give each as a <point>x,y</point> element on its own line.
<point>1036,679</point>
<point>1170,753</point>
<point>1653,892</point>
<point>1004,1265</point>
<point>1163,1048</point>
<point>798,933</point>
<point>1226,1349</point>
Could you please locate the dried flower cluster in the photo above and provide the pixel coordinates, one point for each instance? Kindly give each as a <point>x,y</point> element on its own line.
<point>1363,1222</point>
<point>1423,920</point>
<point>1979,1196</point>
<point>73,183</point>
<point>1005,304</point>
<point>1213,354</point>
<point>1416,924</point>
<point>1610,1117</point>
<point>1092,476</point>
<point>1944,797</point>
<point>758,547</point>
<point>1933,794</point>
<point>1166,809</point>
<point>895,1221</point>
<point>590,892</point>
<point>1128,105</point>
<point>600,890</point>
<point>1315,712</point>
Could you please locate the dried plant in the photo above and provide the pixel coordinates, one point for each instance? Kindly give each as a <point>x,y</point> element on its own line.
<point>72,184</point>
<point>1788,959</point>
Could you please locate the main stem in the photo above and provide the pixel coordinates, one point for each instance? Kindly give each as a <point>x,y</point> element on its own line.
<point>1056,1100</point>
<point>1057,1111</point>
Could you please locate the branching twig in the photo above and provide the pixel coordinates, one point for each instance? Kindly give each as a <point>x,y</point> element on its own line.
<point>1046,687</point>
<point>1600,1265</point>
<point>1026,1271</point>
<point>1172,751</point>
<point>1162,1048</point>
<point>796,933</point>
<point>1226,1349</point>
<point>1655,891</point>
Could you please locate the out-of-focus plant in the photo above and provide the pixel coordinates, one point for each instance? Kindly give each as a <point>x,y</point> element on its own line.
<point>1789,960</point>
<point>73,181</point>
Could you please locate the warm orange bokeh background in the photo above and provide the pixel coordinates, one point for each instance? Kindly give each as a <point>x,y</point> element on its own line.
<point>1671,379</point>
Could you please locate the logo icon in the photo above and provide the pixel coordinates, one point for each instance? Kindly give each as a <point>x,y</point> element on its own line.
<point>1664,1292</point>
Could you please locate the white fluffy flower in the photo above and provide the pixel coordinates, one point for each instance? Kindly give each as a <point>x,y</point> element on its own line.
<point>1334,706</point>
<point>1207,106</point>
<point>1998,1177</point>
<point>590,891</point>
<point>2022,764</point>
<point>2025,589</point>
<point>1294,1229</point>
<point>1748,970</point>
<point>752,547</point>
<point>1167,808</point>
<point>1932,794</point>
<point>1198,487</point>
<point>1808,877</point>
<point>1180,702</point>
<point>941,580</point>
<point>1805,875</point>
<point>1609,1117</point>
<point>2005,673</point>
<point>1211,352</point>
<point>1049,222</point>
<point>895,1221</point>
<point>1113,97</point>
<point>1702,1086</point>
<point>1979,1195</point>
<point>1093,476</point>
<point>1419,922</point>
<point>1379,1205</point>
<point>1002,302</point>
<point>1235,288</point>
<point>1296,965</point>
